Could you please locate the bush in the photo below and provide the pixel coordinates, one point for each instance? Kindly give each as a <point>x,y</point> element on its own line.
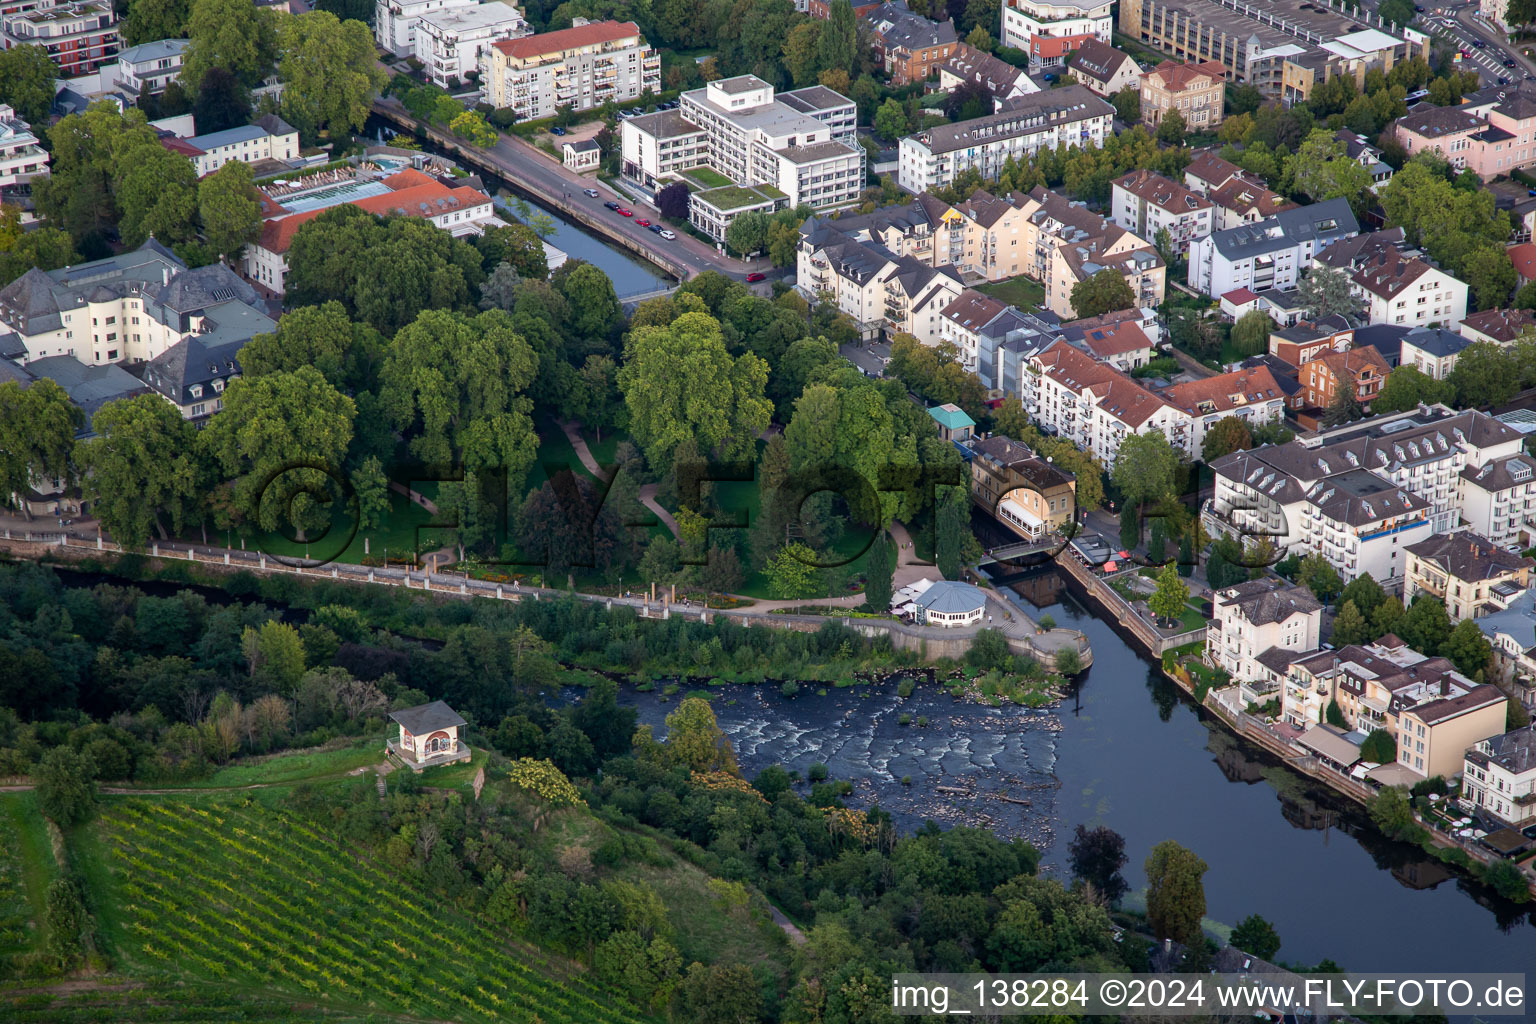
<point>789,689</point>
<point>817,773</point>
<point>1380,747</point>
<point>904,688</point>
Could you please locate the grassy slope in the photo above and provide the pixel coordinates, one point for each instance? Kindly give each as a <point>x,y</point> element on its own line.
<point>26,868</point>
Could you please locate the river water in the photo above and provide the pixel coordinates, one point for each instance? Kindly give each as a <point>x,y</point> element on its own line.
<point>1128,751</point>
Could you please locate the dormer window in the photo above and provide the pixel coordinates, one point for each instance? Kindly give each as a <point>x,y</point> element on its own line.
<point>196,390</point>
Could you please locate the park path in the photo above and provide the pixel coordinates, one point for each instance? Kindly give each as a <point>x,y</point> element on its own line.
<point>909,567</point>
<point>647,491</point>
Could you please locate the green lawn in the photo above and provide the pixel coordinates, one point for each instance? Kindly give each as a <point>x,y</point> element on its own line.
<point>298,767</point>
<point>708,177</point>
<point>26,868</point>
<point>397,536</point>
<point>1028,295</point>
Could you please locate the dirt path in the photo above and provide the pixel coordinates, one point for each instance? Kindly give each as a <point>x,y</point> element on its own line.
<point>796,936</point>
<point>648,499</point>
<point>583,452</point>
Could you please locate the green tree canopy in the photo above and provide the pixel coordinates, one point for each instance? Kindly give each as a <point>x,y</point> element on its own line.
<point>142,470</point>
<point>1104,292</point>
<point>27,74</point>
<point>37,434</point>
<point>330,73</point>
<point>227,208</point>
<point>1226,435</point>
<point>1255,935</point>
<point>1325,292</point>
<point>1145,467</point>
<point>321,336</point>
<point>232,34</point>
<point>1175,894</point>
<point>1168,600</point>
<point>695,739</point>
<point>1406,387</point>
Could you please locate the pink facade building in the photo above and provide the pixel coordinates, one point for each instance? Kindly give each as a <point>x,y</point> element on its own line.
<point>1490,138</point>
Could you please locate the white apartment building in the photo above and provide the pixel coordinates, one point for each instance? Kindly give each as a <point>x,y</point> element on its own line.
<point>801,143</point>
<point>449,42</point>
<point>1071,243</point>
<point>1498,499</point>
<point>1433,351</point>
<point>581,67</point>
<point>879,290</point>
<point>268,138</point>
<point>1499,776</point>
<point>979,326</point>
<point>1254,617</point>
<point>1270,254</point>
<point>1097,406</point>
<point>79,35</point>
<point>1049,30</point>
<point>1069,116</point>
<point>1395,283</point>
<point>1251,395</point>
<point>128,308</point>
<point>21,154</point>
<point>153,64</point>
<point>1144,203</point>
<point>395,21</point>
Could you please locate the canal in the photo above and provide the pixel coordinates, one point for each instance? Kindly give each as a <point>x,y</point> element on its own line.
<point>1130,752</point>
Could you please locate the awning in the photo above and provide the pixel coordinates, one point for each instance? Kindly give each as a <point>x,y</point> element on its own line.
<point>1330,743</point>
<point>1021,514</point>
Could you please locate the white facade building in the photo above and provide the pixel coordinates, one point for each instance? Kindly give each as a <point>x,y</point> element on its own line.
<point>1048,30</point>
<point>395,21</point>
<point>1144,203</point>
<point>21,154</point>
<point>1270,254</point>
<point>1499,776</point>
<point>449,42</point>
<point>581,67</point>
<point>269,138</point>
<point>153,64</point>
<point>1254,617</point>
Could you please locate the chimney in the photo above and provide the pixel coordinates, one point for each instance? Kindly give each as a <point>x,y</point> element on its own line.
<point>1445,685</point>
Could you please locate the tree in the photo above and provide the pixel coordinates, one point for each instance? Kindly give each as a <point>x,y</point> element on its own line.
<point>20,251</point>
<point>156,196</point>
<point>1171,129</point>
<point>1467,647</point>
<point>472,125</point>
<point>680,383</point>
<point>748,233</point>
<point>1406,387</point>
<point>801,56</point>
<point>1144,468</point>
<point>1504,878</point>
<point>149,20</point>
<point>66,790</point>
<point>1168,600</point>
<point>1250,335</point>
<point>879,569</point>
<point>1325,292</point>
<point>222,102</point>
<point>1175,895</point>
<point>952,532</point>
<point>1491,274</point>
<point>980,39</point>
<point>1096,856</point>
<point>1350,626</point>
<point>370,488</point>
<point>596,315</point>
<point>1255,935</point>
<point>78,193</point>
<point>323,337</point>
<point>720,994</point>
<point>1425,626</point>
<point>1128,104</point>
<point>1104,292</point>
<point>1319,575</point>
<point>232,34</point>
<point>141,469</point>
<point>890,120</point>
<point>37,434</point>
<point>672,200</point>
<point>696,740</point>
<point>1397,12</point>
<point>1483,376</point>
<point>1343,406</point>
<point>1323,170</point>
<point>1392,812</point>
<point>1380,747</point>
<point>274,655</point>
<point>331,74</point>
<point>1226,435</point>
<point>67,921</point>
<point>26,82</point>
<point>227,208</point>
<point>517,245</point>
<point>791,572</point>
<point>837,46</point>
<point>269,424</point>
<point>455,386</point>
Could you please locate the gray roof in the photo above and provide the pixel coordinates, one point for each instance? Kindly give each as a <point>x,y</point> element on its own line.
<point>1501,474</point>
<point>427,718</point>
<point>1517,621</point>
<point>88,387</point>
<point>1468,557</point>
<point>898,27</point>
<point>35,301</point>
<point>813,99</point>
<point>1021,115</point>
<point>228,137</point>
<point>1514,751</point>
<point>1329,741</point>
<point>949,597</point>
<point>1437,341</point>
<point>582,145</point>
<point>160,49</point>
<point>1268,600</point>
<point>1320,223</point>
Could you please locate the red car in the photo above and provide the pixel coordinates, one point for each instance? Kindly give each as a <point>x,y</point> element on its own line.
<point>753,277</point>
<point>625,211</point>
<point>643,222</point>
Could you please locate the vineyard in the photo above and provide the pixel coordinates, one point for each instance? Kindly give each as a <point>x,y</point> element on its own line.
<point>163,1003</point>
<point>247,894</point>
<point>26,868</point>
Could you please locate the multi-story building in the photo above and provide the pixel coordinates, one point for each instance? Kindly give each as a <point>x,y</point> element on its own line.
<point>128,308</point>
<point>1282,49</point>
<point>79,35</point>
<point>1065,117</point>
<point>1117,339</point>
<point>193,373</point>
<point>1501,327</point>
<point>1096,406</point>
<point>21,154</point>
<point>1307,340</point>
<point>395,21</point>
<point>1145,203</point>
<point>1270,254</point>
<point>801,143</point>
<point>1251,394</point>
<point>1238,200</point>
<point>1029,494</point>
<point>879,290</point>
<point>1196,90</point>
<point>1103,69</point>
<point>1070,244</point>
<point>1433,351</point>
<point>1259,616</point>
<point>970,66</point>
<point>449,42</point>
<point>1048,30</point>
<point>977,325</point>
<point>910,48</point>
<point>458,210</point>
<point>1499,777</point>
<point>581,67</point>
<point>1362,369</point>
<point>1471,575</point>
<point>1395,282</point>
<point>1491,138</point>
<point>1498,499</point>
<point>1495,11</point>
<point>269,137</point>
<point>152,65</point>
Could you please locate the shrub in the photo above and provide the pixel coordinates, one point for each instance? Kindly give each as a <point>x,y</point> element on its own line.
<point>817,773</point>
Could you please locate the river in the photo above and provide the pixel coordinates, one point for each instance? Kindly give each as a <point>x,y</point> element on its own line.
<point>1129,751</point>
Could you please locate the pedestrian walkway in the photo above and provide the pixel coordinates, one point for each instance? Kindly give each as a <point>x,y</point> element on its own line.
<point>909,567</point>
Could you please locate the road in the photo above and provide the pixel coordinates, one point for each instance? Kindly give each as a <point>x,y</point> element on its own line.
<point>1462,23</point>
<point>536,172</point>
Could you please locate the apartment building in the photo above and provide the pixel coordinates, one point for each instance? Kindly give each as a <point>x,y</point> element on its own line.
<point>801,143</point>
<point>395,21</point>
<point>1307,340</point>
<point>970,66</point>
<point>1022,126</point>
<point>1498,499</point>
<point>450,42</point>
<point>1491,138</point>
<point>1096,406</point>
<point>1258,617</point>
<point>1433,351</point>
<point>1071,243</point>
<point>581,67</point>
<point>1145,203</point>
<point>1433,712</point>
<point>21,153</point>
<point>1103,69</point>
<point>1027,493</point>
<point>1250,394</point>
<point>193,373</point>
<point>459,210</point>
<point>78,35</point>
<point>1499,777</point>
<point>154,65</point>
<point>1238,200</point>
<point>1049,30</point>
<point>1501,327</point>
<point>1270,254</point>
<point>127,308</point>
<point>1362,369</point>
<point>880,291</point>
<point>1115,339</point>
<point>1395,282</point>
<point>1360,522</point>
<point>1468,573</point>
<point>910,48</point>
<point>1282,49</point>
<point>1196,90</point>
<point>269,137</point>
<point>979,326</point>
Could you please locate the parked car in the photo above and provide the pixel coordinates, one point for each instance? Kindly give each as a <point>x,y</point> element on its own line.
<point>625,211</point>
<point>591,192</point>
<point>668,235</point>
<point>643,222</point>
<point>755,276</point>
<point>1503,80</point>
<point>611,205</point>
<point>557,130</point>
<point>657,228</point>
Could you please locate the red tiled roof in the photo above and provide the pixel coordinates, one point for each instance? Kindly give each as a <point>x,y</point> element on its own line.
<point>1052,47</point>
<point>1121,396</point>
<point>1253,385</point>
<point>181,146</point>
<point>1116,340</point>
<point>1158,190</point>
<point>1239,297</point>
<point>1501,325</point>
<point>567,38</point>
<point>1178,76</point>
<point>1523,256</point>
<point>277,232</point>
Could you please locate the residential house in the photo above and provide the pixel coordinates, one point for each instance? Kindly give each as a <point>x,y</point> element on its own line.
<point>878,289</point>
<point>1491,138</point>
<point>1361,368</point>
<point>1071,243</point>
<point>1498,326</point>
<point>910,48</point>
<point>1432,351</point>
<point>150,66</point>
<point>193,373</point>
<point>395,21</point>
<point>1196,90</point>
<point>1241,201</point>
<point>988,235</point>
<point>1523,258</point>
<point>1146,203</point>
<point>1257,617</point>
<point>269,137</point>
<point>1251,395</point>
<point>1499,777</point>
<point>1025,492</point>
<point>1049,30</point>
<point>79,36</point>
<point>1469,574</point>
<point>451,41</point>
<point>1270,254</point>
<point>22,155</point>
<point>1360,150</point>
<point>1396,283</point>
<point>429,736</point>
<point>970,66</point>
<point>1512,633</point>
<point>1115,339</point>
<point>1498,498</point>
<point>1104,69</point>
<point>581,67</point>
<point>1206,171</point>
<point>1146,318</point>
<point>1022,126</point>
<point>1307,340</point>
<point>1096,406</point>
<point>978,326</point>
